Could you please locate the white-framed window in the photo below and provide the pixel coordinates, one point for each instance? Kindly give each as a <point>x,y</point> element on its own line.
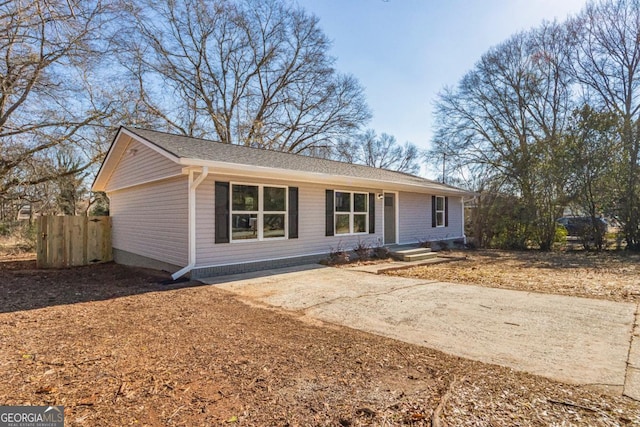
<point>440,211</point>
<point>351,212</point>
<point>258,212</point>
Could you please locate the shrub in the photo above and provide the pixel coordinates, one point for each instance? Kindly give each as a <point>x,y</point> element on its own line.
<point>5,229</point>
<point>362,250</point>
<point>99,211</point>
<point>338,255</point>
<point>424,243</point>
<point>17,237</point>
<point>511,235</point>
<point>380,252</point>
<point>561,234</point>
<point>29,232</point>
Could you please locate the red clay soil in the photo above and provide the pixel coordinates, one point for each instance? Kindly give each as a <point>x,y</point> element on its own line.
<point>117,348</point>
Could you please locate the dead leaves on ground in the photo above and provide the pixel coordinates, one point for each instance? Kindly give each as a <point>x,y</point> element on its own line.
<point>608,275</point>
<point>116,348</point>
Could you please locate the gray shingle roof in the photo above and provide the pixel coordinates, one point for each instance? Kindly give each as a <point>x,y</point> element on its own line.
<point>201,149</point>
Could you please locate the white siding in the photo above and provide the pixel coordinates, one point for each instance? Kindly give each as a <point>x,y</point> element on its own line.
<point>151,220</point>
<point>415,219</point>
<point>311,225</point>
<point>140,164</point>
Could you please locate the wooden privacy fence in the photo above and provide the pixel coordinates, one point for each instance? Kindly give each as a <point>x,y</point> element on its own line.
<point>66,241</point>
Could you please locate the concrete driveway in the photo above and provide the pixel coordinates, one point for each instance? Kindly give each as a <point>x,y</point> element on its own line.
<point>574,340</point>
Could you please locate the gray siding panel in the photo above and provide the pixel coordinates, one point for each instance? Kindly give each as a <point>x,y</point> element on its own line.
<point>140,164</point>
<point>311,225</point>
<point>151,220</point>
<point>415,219</point>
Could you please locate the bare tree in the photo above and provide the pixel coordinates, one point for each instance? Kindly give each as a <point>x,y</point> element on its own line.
<point>607,64</point>
<point>593,142</point>
<point>379,151</point>
<point>70,188</point>
<point>508,114</point>
<point>246,72</point>
<point>48,98</point>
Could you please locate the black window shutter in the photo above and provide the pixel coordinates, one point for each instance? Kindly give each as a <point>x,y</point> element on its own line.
<point>372,213</point>
<point>329,213</point>
<point>222,212</point>
<point>433,211</point>
<point>293,212</point>
<point>446,211</point>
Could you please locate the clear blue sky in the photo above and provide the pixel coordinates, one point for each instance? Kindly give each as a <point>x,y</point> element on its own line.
<point>405,51</point>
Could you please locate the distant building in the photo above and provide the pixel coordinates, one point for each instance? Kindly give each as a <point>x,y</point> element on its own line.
<point>24,213</point>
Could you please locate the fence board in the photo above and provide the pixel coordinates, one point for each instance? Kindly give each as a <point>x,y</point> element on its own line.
<point>56,243</point>
<point>73,240</point>
<point>98,239</point>
<point>74,230</point>
<point>41,248</point>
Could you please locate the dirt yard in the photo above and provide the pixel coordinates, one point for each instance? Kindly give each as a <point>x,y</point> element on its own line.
<point>117,348</point>
<point>608,275</point>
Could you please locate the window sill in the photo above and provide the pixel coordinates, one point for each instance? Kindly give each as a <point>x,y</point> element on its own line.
<point>364,233</point>
<point>271,239</point>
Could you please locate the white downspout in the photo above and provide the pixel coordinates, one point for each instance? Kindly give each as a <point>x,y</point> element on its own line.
<point>192,221</point>
<point>464,234</point>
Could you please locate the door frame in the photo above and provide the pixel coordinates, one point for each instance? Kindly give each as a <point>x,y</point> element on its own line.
<point>396,197</point>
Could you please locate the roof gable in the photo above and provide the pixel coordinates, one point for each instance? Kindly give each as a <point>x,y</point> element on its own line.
<point>117,154</point>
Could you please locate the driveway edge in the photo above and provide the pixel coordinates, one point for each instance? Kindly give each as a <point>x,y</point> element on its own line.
<point>632,377</point>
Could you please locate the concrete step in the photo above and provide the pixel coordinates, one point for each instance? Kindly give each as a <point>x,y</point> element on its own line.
<point>419,256</point>
<point>411,253</point>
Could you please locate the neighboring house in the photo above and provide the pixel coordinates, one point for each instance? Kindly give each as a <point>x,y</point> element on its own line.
<point>194,206</point>
<point>24,213</point>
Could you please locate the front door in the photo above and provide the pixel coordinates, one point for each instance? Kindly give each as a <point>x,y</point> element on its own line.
<point>389,218</point>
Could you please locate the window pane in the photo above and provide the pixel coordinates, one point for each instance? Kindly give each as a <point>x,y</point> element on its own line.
<point>440,203</point>
<point>359,223</point>
<point>360,202</point>
<point>342,224</point>
<point>274,199</point>
<point>244,226</point>
<point>245,198</point>
<point>343,202</point>
<point>273,225</point>
<point>439,219</point>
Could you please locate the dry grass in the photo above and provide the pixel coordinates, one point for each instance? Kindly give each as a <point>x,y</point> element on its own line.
<point>16,245</point>
<point>609,275</point>
<point>117,348</point>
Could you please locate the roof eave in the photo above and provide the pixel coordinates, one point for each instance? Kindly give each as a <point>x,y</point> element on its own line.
<point>241,170</point>
<point>104,172</point>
